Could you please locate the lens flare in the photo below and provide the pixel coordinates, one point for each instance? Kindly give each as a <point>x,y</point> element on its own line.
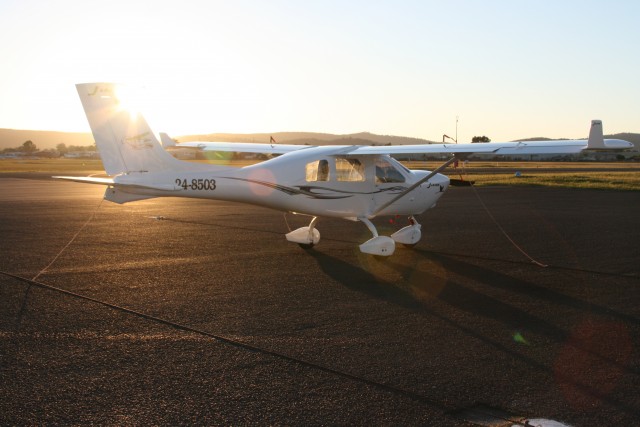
<point>261,182</point>
<point>517,337</point>
<point>129,99</point>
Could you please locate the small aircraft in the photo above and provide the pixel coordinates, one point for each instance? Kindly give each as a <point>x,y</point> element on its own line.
<point>353,182</point>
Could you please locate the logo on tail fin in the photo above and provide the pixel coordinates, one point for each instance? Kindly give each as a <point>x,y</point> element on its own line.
<point>102,91</point>
<point>139,142</point>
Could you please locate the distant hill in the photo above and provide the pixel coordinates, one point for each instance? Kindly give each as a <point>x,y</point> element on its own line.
<point>11,138</point>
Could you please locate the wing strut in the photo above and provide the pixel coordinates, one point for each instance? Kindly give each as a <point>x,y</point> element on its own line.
<point>416,185</point>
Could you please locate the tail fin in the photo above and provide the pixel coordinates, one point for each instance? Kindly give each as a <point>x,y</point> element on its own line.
<point>596,138</point>
<point>125,141</point>
<point>166,140</point>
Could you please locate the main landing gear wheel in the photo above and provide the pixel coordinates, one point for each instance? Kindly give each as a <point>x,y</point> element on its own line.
<point>305,237</point>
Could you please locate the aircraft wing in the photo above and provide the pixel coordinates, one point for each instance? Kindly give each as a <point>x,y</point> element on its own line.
<point>242,147</point>
<point>595,142</point>
<point>497,148</point>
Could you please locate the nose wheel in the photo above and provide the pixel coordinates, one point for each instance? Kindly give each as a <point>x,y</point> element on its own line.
<point>410,235</point>
<point>378,245</point>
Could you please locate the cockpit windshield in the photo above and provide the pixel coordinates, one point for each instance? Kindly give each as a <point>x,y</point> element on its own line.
<point>387,172</point>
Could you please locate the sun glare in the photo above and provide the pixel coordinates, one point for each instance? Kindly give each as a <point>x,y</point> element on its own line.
<point>129,99</point>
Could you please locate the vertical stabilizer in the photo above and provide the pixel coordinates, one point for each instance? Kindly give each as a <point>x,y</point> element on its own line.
<point>124,139</point>
<point>166,140</point>
<point>596,138</point>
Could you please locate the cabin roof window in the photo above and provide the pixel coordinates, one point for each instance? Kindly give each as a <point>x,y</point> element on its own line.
<point>317,171</point>
<point>387,172</point>
<point>349,170</point>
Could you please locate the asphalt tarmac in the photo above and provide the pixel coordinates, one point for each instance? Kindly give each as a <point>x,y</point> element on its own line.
<point>462,329</point>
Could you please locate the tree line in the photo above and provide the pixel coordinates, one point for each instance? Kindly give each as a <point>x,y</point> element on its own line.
<point>30,148</point>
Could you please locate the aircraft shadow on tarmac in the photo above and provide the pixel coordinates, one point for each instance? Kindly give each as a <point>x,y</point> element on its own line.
<point>497,280</point>
<point>417,286</point>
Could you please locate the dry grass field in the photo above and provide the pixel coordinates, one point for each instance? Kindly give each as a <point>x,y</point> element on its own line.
<point>610,176</point>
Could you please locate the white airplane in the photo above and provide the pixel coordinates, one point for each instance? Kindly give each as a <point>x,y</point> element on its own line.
<point>352,182</point>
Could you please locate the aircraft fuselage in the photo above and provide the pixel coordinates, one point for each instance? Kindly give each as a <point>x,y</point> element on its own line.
<point>352,186</point>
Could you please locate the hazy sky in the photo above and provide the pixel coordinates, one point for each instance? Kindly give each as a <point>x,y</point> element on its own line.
<point>509,69</point>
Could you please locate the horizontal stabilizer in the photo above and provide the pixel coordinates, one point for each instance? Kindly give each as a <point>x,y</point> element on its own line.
<point>123,184</point>
<point>87,179</point>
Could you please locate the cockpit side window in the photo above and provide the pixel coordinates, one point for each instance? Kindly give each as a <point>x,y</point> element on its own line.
<point>349,170</point>
<point>317,171</point>
<point>386,172</point>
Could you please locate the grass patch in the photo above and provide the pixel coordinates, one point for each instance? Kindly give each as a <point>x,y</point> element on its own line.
<point>593,180</point>
<point>87,166</point>
<point>51,165</point>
